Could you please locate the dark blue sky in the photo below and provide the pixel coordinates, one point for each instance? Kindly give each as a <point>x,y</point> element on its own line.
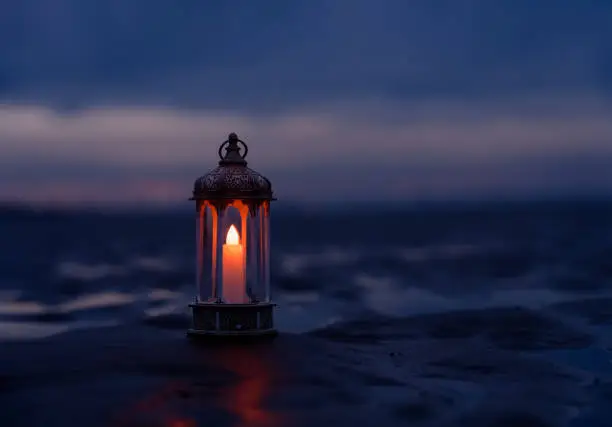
<point>119,100</point>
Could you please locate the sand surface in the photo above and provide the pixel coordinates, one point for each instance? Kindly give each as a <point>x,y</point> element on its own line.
<point>494,367</point>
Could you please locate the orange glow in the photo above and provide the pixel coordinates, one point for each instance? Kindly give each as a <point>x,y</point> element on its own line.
<point>157,405</point>
<point>232,238</point>
<point>215,224</point>
<point>247,398</point>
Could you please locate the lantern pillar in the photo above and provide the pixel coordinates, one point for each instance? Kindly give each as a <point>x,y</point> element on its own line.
<point>218,253</point>
<point>253,254</point>
<point>200,209</point>
<point>265,249</point>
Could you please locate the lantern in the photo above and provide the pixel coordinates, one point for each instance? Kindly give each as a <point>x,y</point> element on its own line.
<point>232,248</point>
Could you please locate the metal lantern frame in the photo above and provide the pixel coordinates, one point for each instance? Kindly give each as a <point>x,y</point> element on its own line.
<point>233,282</point>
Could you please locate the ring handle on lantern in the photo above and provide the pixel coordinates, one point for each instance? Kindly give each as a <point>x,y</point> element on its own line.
<point>227,142</point>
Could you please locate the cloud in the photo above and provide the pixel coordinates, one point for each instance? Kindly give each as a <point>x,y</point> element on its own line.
<point>372,150</point>
<point>285,54</point>
<point>354,99</point>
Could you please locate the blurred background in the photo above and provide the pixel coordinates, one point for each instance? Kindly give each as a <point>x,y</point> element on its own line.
<point>426,155</point>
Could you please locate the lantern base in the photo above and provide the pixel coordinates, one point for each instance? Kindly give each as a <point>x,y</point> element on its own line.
<point>232,320</point>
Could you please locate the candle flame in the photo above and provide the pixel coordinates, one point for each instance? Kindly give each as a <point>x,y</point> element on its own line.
<point>232,237</point>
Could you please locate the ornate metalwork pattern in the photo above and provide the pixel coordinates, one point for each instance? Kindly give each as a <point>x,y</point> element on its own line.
<point>232,318</point>
<point>205,320</point>
<point>238,320</point>
<point>237,178</point>
<point>266,318</point>
<point>232,178</point>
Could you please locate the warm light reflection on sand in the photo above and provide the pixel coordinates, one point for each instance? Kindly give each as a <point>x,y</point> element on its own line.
<point>247,399</point>
<point>245,394</point>
<point>182,423</point>
<point>155,410</point>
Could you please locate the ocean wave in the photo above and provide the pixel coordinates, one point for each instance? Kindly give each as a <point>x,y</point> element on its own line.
<point>152,264</point>
<point>323,268</point>
<point>15,309</point>
<point>11,308</point>
<point>97,300</point>
<point>73,270</point>
<point>89,272</point>
<point>294,264</point>
<point>163,294</point>
<point>17,330</point>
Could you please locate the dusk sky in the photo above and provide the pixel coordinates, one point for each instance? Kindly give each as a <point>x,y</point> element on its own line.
<point>120,101</point>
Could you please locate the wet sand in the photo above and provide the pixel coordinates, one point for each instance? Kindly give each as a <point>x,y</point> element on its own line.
<point>474,367</point>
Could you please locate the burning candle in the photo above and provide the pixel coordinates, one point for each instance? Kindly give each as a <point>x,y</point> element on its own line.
<point>234,288</point>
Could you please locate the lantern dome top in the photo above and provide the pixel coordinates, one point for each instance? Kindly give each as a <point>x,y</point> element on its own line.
<point>232,179</point>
